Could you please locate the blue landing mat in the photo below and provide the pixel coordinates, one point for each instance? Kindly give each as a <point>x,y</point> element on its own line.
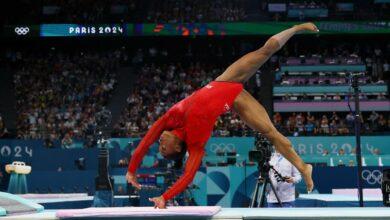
<point>13,204</point>
<point>2,212</point>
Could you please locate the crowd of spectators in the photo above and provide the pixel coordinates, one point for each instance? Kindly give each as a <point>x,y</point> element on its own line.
<point>173,11</point>
<point>327,79</point>
<point>315,59</point>
<point>170,83</point>
<point>88,11</point>
<point>71,11</point>
<point>59,93</point>
<point>376,58</point>
<point>308,124</point>
<point>173,82</point>
<point>331,98</point>
<point>91,11</point>
<point>325,10</point>
<point>307,4</point>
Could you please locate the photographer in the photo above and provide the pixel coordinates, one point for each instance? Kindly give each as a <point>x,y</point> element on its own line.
<point>285,185</point>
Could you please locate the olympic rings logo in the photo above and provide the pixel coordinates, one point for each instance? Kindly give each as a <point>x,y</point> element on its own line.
<point>222,147</point>
<point>372,177</point>
<point>22,30</point>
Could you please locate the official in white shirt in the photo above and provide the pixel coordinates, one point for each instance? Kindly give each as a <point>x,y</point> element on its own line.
<point>285,189</point>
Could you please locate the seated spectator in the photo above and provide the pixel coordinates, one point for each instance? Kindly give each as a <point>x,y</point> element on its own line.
<point>373,120</point>
<point>300,128</point>
<point>291,123</point>
<point>335,117</point>
<point>277,118</point>
<point>350,119</point>
<point>67,141</point>
<point>324,127</point>
<point>310,128</point>
<point>341,152</point>
<point>333,127</point>
<point>382,123</point>
<point>376,151</point>
<point>343,129</point>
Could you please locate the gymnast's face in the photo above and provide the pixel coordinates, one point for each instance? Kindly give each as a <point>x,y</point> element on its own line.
<point>170,145</point>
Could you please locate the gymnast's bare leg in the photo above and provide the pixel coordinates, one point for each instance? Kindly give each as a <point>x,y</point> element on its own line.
<point>256,117</point>
<point>252,112</point>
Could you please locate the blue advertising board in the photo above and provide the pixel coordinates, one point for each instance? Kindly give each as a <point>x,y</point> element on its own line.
<point>26,150</point>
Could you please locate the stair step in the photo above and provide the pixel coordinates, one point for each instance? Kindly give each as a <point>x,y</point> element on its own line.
<point>126,80</point>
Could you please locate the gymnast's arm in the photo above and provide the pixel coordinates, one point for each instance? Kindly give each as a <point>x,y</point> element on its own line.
<point>192,165</point>
<point>247,65</point>
<point>151,136</point>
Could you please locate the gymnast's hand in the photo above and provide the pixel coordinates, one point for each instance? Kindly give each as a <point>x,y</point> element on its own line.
<point>159,202</point>
<point>132,179</point>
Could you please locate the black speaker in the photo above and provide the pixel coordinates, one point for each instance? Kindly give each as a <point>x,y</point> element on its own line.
<point>386,187</point>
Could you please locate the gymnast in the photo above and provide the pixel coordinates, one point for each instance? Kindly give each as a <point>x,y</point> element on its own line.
<point>188,124</point>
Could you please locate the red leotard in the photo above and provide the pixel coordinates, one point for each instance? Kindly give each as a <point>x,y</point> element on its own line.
<point>192,120</point>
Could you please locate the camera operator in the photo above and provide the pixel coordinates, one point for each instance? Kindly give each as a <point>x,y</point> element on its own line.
<point>284,184</point>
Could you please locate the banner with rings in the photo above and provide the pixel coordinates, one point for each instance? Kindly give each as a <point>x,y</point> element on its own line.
<point>372,177</point>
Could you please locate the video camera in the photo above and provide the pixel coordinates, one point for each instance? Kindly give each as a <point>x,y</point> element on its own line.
<point>386,187</point>
<point>262,151</point>
<point>261,154</point>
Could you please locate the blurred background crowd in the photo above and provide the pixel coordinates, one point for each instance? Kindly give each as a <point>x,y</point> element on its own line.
<point>177,11</point>
<point>60,90</point>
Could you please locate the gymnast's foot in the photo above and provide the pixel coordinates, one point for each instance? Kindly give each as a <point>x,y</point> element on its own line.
<point>306,174</point>
<point>307,27</point>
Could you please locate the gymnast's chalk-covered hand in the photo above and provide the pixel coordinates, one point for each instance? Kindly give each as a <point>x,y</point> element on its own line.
<point>132,179</point>
<point>159,202</point>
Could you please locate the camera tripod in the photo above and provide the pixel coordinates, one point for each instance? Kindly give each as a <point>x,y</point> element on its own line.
<point>258,197</point>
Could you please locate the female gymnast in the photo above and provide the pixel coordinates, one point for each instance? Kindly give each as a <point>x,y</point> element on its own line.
<point>188,124</point>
